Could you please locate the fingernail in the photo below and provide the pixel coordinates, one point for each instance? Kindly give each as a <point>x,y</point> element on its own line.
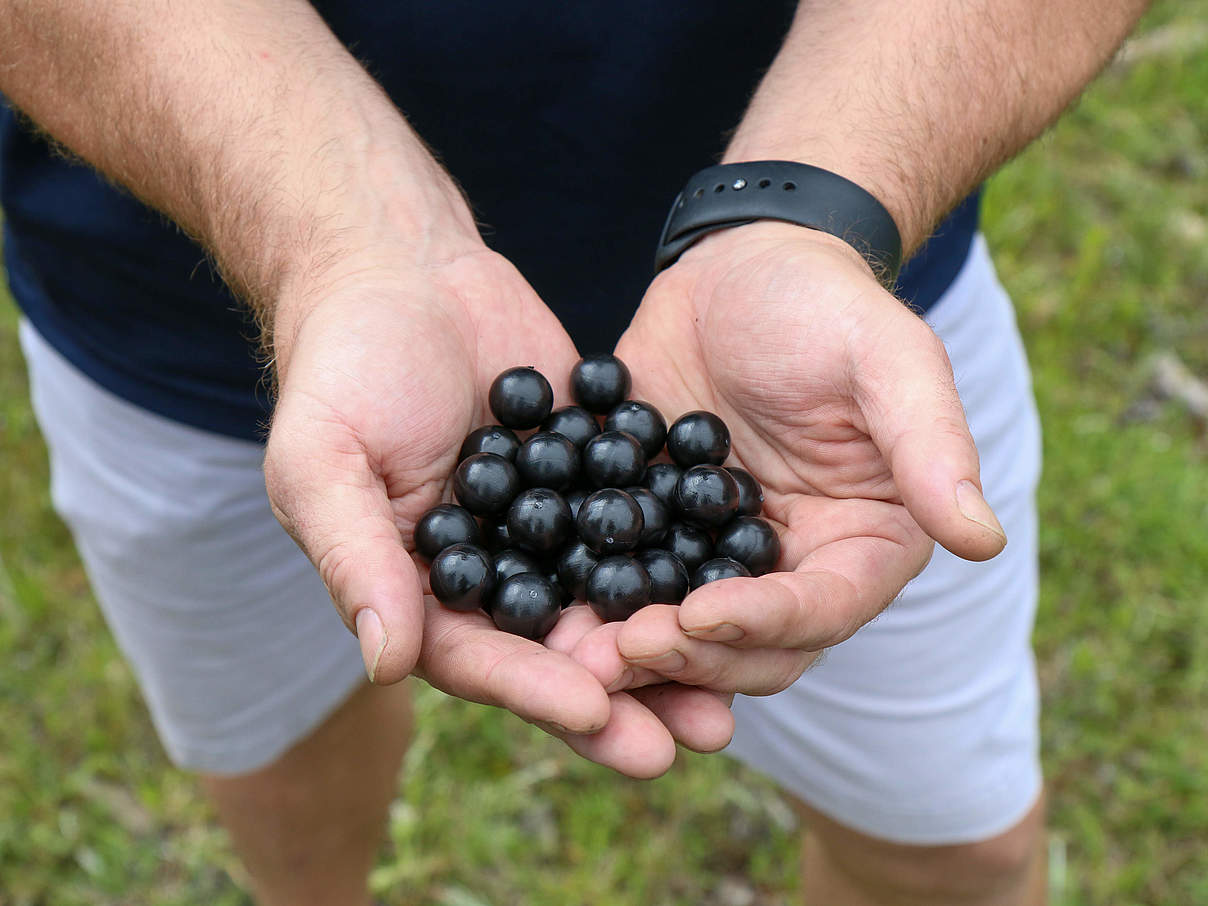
<point>667,662</point>
<point>624,681</point>
<point>550,727</point>
<point>722,632</point>
<point>973,507</point>
<point>373,638</point>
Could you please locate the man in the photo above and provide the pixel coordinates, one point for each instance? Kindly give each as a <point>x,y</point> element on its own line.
<point>912,747</point>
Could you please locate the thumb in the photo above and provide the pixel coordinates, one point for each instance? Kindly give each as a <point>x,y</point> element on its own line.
<point>326,495</point>
<point>906,391</point>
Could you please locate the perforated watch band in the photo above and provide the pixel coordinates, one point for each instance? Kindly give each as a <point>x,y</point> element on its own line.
<point>729,195</point>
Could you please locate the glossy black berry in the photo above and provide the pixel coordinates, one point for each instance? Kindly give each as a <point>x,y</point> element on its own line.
<point>618,588</point>
<point>574,423</point>
<point>512,562</point>
<point>574,500</point>
<point>495,534</point>
<point>444,525</point>
<point>692,545</point>
<point>521,398</point>
<point>707,495</point>
<point>717,569</point>
<point>539,520</point>
<point>599,382</point>
<point>656,517</point>
<point>698,438</point>
<point>565,598</point>
<point>613,460</point>
<point>752,542</point>
<point>548,460</point>
<point>490,439</point>
<point>661,478</point>
<point>485,484</point>
<point>526,604</point>
<point>750,494</point>
<point>575,564</point>
<point>668,575</point>
<point>462,577</point>
<point>642,422</point>
<point>610,522</point>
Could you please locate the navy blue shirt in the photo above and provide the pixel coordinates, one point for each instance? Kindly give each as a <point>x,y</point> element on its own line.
<point>571,126</point>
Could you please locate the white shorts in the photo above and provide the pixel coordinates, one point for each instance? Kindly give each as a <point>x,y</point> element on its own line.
<point>921,728</point>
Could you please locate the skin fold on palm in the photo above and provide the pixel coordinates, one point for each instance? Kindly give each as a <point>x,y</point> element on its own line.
<point>841,402</point>
<point>379,385</point>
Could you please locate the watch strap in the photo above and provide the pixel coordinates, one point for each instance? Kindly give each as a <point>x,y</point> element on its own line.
<point>727,195</point>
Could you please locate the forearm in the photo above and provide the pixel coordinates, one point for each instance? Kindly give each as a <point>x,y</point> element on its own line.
<point>245,122</point>
<point>920,102</point>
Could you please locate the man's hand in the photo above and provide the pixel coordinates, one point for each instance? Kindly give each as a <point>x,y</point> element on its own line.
<point>380,381</point>
<point>842,403</point>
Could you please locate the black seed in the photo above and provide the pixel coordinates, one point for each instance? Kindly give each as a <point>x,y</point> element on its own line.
<point>750,494</point>
<point>526,604</point>
<point>668,575</point>
<point>490,439</point>
<point>698,438</point>
<point>548,460</point>
<point>574,423</point>
<point>641,421</point>
<point>752,542</point>
<point>613,460</point>
<point>693,546</point>
<point>574,500</point>
<point>656,517</point>
<point>661,478</point>
<point>539,520</point>
<point>485,484</point>
<point>716,570</point>
<point>599,382</point>
<point>512,562</point>
<point>462,577</point>
<point>707,495</point>
<point>444,525</point>
<point>610,522</point>
<point>495,534</point>
<point>521,398</point>
<point>618,588</point>
<point>574,566</point>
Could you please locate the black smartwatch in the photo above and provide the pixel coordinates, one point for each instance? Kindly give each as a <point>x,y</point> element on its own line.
<point>729,195</point>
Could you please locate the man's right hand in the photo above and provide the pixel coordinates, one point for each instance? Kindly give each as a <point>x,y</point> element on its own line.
<point>381,377</point>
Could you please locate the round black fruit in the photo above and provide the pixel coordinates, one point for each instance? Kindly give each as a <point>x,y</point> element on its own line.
<point>717,569</point>
<point>462,577</point>
<point>613,460</point>
<point>444,525</point>
<point>490,439</point>
<point>656,518</point>
<point>642,422</point>
<point>668,575</point>
<point>750,493</point>
<point>752,542</point>
<point>521,398</point>
<point>574,423</point>
<point>575,564</point>
<point>548,460</point>
<point>691,545</point>
<point>618,588</point>
<point>707,495</point>
<point>526,604</point>
<point>661,478</point>
<point>512,562</point>
<point>610,522</point>
<point>485,484</point>
<point>599,382</point>
<point>698,438</point>
<point>539,520</point>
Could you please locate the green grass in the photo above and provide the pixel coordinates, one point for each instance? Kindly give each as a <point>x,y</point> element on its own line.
<point>1101,234</point>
